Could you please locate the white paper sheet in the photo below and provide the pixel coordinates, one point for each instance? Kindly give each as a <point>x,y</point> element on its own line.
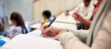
<point>32,42</point>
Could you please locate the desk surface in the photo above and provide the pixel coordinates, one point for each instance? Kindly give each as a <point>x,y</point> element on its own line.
<point>36,26</point>
<point>60,21</point>
<point>66,19</point>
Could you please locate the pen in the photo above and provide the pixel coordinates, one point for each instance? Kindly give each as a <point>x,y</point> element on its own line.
<point>51,22</point>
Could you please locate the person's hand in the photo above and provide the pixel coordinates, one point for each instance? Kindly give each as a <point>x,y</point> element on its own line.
<point>42,23</point>
<point>78,17</point>
<point>51,31</point>
<point>9,36</point>
<point>74,16</point>
<point>58,36</point>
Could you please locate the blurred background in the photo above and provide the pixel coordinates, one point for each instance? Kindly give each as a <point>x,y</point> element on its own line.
<point>31,10</point>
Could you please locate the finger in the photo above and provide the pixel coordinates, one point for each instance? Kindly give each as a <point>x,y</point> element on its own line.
<point>76,13</point>
<point>51,34</point>
<point>45,35</point>
<point>51,31</point>
<point>48,29</point>
<point>43,28</point>
<point>57,36</point>
<point>75,17</point>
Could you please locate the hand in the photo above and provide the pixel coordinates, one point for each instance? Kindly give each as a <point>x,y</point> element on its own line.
<point>51,31</point>
<point>9,36</point>
<point>42,23</point>
<point>78,17</point>
<point>58,36</point>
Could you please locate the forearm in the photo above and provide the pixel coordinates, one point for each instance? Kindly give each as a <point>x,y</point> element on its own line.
<point>71,42</point>
<point>86,22</point>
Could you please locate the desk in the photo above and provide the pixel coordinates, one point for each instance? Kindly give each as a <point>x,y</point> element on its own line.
<point>60,21</point>
<point>35,26</point>
<point>66,19</point>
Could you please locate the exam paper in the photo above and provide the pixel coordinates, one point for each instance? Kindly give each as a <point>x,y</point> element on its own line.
<point>33,40</point>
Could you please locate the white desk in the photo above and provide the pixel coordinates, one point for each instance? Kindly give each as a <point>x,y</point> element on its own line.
<point>36,26</point>
<point>63,26</point>
<point>66,19</point>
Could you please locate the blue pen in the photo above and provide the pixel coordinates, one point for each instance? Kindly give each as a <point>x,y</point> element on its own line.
<point>51,22</point>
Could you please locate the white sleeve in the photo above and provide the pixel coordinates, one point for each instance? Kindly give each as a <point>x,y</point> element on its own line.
<point>11,30</point>
<point>18,30</point>
<point>102,40</point>
<point>69,41</point>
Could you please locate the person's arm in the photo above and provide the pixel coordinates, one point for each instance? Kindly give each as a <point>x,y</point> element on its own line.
<point>102,40</point>
<point>86,22</point>
<point>69,41</point>
<point>14,31</point>
<point>81,19</point>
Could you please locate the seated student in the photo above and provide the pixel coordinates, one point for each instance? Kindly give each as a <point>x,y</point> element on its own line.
<point>18,25</point>
<point>82,34</point>
<point>46,15</point>
<point>67,12</point>
<point>87,22</point>
<point>85,10</point>
<point>65,15</point>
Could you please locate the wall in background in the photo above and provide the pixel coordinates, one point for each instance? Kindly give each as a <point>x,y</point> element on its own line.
<point>33,11</point>
<point>55,6</point>
<point>2,14</point>
<point>22,6</point>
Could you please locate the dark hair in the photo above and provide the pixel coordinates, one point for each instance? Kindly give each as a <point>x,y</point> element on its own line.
<point>20,22</point>
<point>88,0</point>
<point>3,21</point>
<point>67,11</point>
<point>47,14</point>
<point>2,24</point>
<point>1,28</point>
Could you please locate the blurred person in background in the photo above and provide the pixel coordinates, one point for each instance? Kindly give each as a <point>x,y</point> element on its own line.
<point>46,15</point>
<point>18,25</point>
<point>85,10</point>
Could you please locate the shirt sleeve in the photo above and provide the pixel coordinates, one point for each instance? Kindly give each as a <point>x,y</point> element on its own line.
<point>103,40</point>
<point>69,41</point>
<point>18,30</point>
<point>11,30</point>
